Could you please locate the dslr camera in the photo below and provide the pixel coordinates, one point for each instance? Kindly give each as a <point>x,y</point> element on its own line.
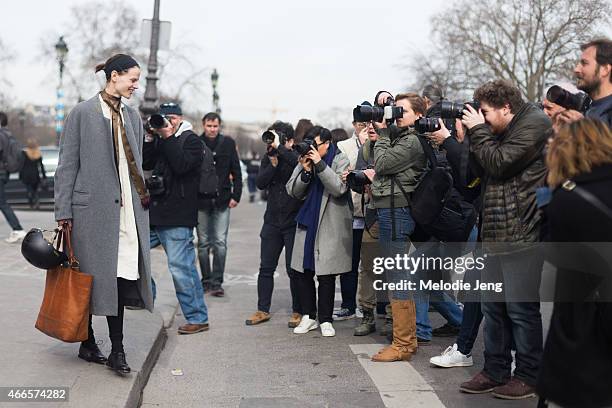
<point>356,180</point>
<point>427,125</point>
<point>389,112</point>
<point>158,121</point>
<point>304,146</point>
<point>580,101</point>
<point>454,110</point>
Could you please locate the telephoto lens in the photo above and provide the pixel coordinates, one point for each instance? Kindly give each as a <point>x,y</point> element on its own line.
<point>579,101</point>
<point>427,125</point>
<point>454,110</point>
<point>157,121</point>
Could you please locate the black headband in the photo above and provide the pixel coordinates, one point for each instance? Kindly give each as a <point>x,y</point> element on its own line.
<point>122,63</point>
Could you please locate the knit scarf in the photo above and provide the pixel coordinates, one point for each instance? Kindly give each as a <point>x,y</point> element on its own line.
<point>114,103</point>
<point>308,216</point>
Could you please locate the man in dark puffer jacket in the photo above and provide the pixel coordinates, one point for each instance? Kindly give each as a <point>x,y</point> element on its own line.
<point>508,137</point>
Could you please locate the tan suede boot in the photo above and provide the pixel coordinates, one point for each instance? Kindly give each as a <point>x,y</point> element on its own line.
<point>404,333</point>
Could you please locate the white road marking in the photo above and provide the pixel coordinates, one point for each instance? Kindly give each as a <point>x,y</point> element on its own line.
<point>399,384</point>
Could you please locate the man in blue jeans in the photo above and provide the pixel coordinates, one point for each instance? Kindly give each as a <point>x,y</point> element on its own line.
<point>214,213</point>
<point>175,155</point>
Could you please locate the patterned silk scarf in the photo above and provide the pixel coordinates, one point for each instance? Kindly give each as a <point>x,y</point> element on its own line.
<point>114,103</point>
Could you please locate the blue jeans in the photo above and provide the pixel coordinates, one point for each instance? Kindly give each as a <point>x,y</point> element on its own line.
<point>180,251</point>
<point>398,245</point>
<point>6,209</point>
<point>448,308</point>
<point>212,237</point>
<point>510,321</point>
<point>442,302</point>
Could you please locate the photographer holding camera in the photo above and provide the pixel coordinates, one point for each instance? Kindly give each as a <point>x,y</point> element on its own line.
<point>323,237</point>
<point>278,230</point>
<point>399,162</point>
<point>594,76</point>
<point>508,137</point>
<point>175,155</point>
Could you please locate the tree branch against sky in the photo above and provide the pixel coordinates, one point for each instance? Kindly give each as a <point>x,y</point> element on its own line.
<point>530,42</point>
<point>6,56</point>
<point>95,30</point>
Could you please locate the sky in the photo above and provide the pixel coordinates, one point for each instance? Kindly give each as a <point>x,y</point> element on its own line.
<point>296,58</point>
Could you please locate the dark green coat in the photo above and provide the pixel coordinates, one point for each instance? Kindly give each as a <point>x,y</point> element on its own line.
<point>400,156</point>
<point>514,168</point>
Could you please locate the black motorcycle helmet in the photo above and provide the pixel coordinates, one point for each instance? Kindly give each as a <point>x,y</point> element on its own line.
<point>38,251</point>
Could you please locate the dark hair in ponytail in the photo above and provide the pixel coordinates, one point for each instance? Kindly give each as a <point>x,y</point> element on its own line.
<point>118,62</point>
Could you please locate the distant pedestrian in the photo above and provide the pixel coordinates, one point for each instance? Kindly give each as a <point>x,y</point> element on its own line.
<point>214,213</point>
<point>33,172</point>
<point>100,190</point>
<point>5,138</point>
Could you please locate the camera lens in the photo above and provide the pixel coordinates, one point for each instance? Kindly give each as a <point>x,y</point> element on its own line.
<point>268,137</point>
<point>157,121</point>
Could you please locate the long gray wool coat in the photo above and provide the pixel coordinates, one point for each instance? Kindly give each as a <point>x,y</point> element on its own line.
<point>87,191</point>
<point>334,240</point>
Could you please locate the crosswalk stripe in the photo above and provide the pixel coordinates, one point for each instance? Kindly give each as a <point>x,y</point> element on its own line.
<point>399,384</point>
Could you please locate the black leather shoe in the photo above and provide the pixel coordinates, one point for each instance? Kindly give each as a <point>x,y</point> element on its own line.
<point>92,354</point>
<point>116,361</point>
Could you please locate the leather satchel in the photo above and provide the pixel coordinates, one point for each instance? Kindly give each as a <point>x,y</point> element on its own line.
<point>64,313</point>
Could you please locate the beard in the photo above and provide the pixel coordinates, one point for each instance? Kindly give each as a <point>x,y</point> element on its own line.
<point>590,86</point>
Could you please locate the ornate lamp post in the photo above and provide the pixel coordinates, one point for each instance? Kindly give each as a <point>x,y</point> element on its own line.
<point>61,49</point>
<point>214,79</point>
<point>151,96</point>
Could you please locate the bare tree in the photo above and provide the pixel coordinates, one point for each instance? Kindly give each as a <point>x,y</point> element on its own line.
<point>6,56</point>
<point>97,29</point>
<point>529,42</point>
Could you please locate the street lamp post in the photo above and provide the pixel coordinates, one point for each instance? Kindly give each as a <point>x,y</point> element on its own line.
<point>149,106</point>
<point>61,49</point>
<point>214,79</point>
<point>22,119</point>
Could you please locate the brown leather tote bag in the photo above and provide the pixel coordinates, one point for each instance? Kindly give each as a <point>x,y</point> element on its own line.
<point>64,312</point>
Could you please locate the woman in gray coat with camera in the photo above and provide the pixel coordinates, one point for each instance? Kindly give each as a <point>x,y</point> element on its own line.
<point>100,193</point>
<point>324,235</point>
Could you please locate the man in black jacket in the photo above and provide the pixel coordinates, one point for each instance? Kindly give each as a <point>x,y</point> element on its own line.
<point>507,137</point>
<point>278,230</point>
<point>213,215</point>
<point>175,158</point>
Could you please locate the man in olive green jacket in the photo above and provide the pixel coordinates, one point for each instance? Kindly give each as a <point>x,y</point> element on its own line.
<point>508,137</point>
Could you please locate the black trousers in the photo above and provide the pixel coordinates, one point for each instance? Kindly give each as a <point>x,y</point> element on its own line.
<point>273,240</point>
<point>127,291</point>
<point>348,281</point>
<point>308,297</point>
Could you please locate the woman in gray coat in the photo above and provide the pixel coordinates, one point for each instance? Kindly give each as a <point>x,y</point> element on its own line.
<point>100,192</point>
<point>324,235</point>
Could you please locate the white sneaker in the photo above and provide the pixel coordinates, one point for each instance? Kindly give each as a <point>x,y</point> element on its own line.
<point>15,236</point>
<point>306,324</point>
<point>327,330</point>
<point>451,357</point>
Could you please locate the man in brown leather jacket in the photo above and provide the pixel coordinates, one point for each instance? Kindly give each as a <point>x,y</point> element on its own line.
<point>508,136</point>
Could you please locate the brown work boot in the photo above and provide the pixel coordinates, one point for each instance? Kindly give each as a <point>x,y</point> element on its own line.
<point>295,320</point>
<point>193,328</point>
<point>404,343</point>
<point>513,390</point>
<point>257,317</point>
<point>479,384</point>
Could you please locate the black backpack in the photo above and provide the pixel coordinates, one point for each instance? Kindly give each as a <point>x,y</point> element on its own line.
<point>209,181</point>
<point>12,156</point>
<point>436,205</point>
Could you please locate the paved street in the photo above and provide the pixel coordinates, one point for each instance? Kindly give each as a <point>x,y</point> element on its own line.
<point>232,365</point>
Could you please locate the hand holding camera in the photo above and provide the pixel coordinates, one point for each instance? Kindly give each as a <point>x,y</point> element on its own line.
<point>472,117</point>
<point>439,136</point>
<point>306,163</point>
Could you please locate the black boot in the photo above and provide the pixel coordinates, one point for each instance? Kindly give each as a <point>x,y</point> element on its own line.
<point>116,361</point>
<point>367,325</point>
<point>90,352</point>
